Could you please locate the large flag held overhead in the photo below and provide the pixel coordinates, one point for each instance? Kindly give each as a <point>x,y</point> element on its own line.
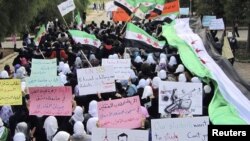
<point>128,5</point>
<point>66,7</point>
<point>137,37</point>
<point>229,105</point>
<point>40,34</point>
<point>144,9</point>
<point>78,20</point>
<point>84,38</point>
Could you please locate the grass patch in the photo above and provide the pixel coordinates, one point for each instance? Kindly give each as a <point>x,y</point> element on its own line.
<point>242,53</point>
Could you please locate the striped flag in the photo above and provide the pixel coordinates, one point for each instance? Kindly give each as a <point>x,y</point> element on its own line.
<point>40,34</point>
<point>78,20</point>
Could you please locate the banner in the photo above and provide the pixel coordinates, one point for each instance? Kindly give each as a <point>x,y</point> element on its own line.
<point>120,15</point>
<point>180,129</point>
<point>66,7</point>
<point>180,98</point>
<point>55,101</point>
<point>103,134</point>
<point>184,11</point>
<point>96,80</point>
<point>120,113</point>
<point>206,20</point>
<point>121,67</point>
<point>43,68</point>
<point>10,92</point>
<point>41,81</point>
<point>217,24</point>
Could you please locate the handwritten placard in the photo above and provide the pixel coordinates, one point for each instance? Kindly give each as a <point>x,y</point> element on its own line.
<point>109,134</point>
<point>54,101</point>
<point>171,7</point>
<point>96,80</point>
<point>121,113</point>
<point>180,129</point>
<point>43,67</point>
<point>206,20</point>
<point>217,24</point>
<point>180,98</point>
<point>10,92</point>
<point>184,11</point>
<point>121,67</point>
<point>39,81</point>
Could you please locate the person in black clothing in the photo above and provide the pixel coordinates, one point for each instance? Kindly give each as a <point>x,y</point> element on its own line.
<point>235,29</point>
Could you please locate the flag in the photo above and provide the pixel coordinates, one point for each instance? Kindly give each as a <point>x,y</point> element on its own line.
<point>159,6</point>
<point>229,105</point>
<point>40,34</point>
<point>128,5</point>
<point>144,10</point>
<point>85,38</point>
<point>66,7</point>
<point>137,37</point>
<point>78,20</point>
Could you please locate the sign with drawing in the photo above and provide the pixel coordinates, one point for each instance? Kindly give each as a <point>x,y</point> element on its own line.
<point>180,98</point>
<point>104,134</point>
<point>180,129</point>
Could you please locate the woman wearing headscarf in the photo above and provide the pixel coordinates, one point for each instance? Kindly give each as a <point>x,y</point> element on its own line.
<point>140,87</point>
<point>146,96</point>
<point>51,127</point>
<point>19,137</point>
<point>4,132</point>
<point>132,90</point>
<point>172,64</point>
<point>61,136</point>
<point>91,124</point>
<point>78,63</point>
<point>92,112</point>
<point>77,116</point>
<point>5,113</point>
<point>162,75</point>
<point>23,128</point>
<point>162,65</point>
<point>80,133</point>
<point>137,63</point>
<point>182,78</point>
<point>4,74</point>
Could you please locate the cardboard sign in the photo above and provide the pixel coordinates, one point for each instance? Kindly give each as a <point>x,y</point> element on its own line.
<point>66,7</point>
<point>184,11</point>
<point>217,24</point>
<point>121,67</point>
<point>10,92</point>
<point>96,80</point>
<point>171,7</point>
<point>180,98</point>
<point>43,67</point>
<point>103,134</point>
<point>41,81</point>
<point>206,20</point>
<point>55,101</point>
<point>180,129</point>
<point>121,113</point>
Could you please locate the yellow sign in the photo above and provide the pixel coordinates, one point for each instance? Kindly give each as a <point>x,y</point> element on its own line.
<point>10,92</point>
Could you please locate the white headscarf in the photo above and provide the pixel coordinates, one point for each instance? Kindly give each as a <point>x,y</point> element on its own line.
<point>138,59</point>
<point>63,78</point>
<point>50,126</point>
<point>92,57</point>
<point>147,92</point>
<point>195,80</point>
<point>148,82</point>
<point>156,82</point>
<point>91,124</point>
<point>60,67</point>
<point>22,127</point>
<point>66,69</point>
<point>61,136</point>
<point>172,61</point>
<point>79,129</point>
<point>179,69</point>
<point>150,59</point>
<point>115,56</point>
<point>132,74</point>
<point>19,137</point>
<point>4,74</point>
<point>110,57</point>
<point>142,83</point>
<point>93,108</point>
<point>162,74</point>
<point>182,78</point>
<point>20,73</point>
<point>126,56</point>
<point>78,114</point>
<point>163,56</point>
<point>207,89</point>
<point>78,62</point>
<point>162,61</point>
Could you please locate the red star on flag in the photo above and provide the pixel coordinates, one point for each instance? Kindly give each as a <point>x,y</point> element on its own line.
<point>146,3</point>
<point>149,40</point>
<point>202,61</point>
<point>125,4</point>
<point>193,42</point>
<point>139,36</point>
<point>86,41</point>
<point>158,6</point>
<point>156,44</point>
<point>95,43</point>
<point>198,50</point>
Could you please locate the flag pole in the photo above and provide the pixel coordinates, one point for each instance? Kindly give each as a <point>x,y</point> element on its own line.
<point>86,58</point>
<point>41,53</point>
<point>65,22</point>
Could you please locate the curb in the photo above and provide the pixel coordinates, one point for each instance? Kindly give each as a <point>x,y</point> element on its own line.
<point>8,57</point>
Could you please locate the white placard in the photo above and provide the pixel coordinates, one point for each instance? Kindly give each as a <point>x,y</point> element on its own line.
<point>180,98</point>
<point>66,7</point>
<point>217,24</point>
<point>180,129</point>
<point>206,20</point>
<point>121,67</point>
<point>103,134</point>
<point>184,11</point>
<point>96,80</point>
